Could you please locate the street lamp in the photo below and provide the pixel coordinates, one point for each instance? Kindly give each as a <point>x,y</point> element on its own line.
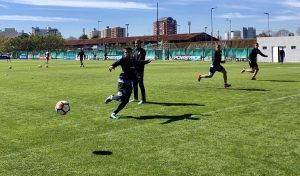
<point>178,28</point>
<point>211,22</point>
<point>268,22</point>
<point>189,23</point>
<point>99,34</point>
<point>127,29</point>
<point>205,28</point>
<point>98,24</point>
<point>229,36</point>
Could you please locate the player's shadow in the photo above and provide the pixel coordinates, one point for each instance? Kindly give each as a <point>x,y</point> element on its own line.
<point>170,119</point>
<point>249,89</point>
<point>102,152</point>
<point>274,80</point>
<point>175,104</point>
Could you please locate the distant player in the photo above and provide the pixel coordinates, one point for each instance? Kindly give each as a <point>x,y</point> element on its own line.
<point>216,66</point>
<point>124,82</point>
<point>81,55</point>
<point>47,57</point>
<point>281,55</point>
<point>9,55</point>
<point>253,61</point>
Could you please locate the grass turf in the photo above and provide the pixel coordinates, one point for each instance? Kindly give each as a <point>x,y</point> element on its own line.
<point>187,128</point>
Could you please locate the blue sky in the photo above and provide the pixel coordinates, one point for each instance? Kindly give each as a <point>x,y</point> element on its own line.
<point>71,16</point>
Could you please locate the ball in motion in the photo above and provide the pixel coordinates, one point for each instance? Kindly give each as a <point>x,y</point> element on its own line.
<point>62,107</point>
<point>10,67</point>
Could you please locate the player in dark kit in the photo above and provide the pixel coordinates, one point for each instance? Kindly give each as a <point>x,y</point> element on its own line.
<point>124,82</point>
<point>139,55</point>
<point>216,66</point>
<point>81,55</point>
<point>253,61</point>
<point>47,57</point>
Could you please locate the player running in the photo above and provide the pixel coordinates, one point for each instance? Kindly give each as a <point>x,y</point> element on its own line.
<point>216,66</point>
<point>253,61</point>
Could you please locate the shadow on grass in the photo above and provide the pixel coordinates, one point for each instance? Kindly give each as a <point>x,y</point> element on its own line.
<point>249,89</point>
<point>274,80</point>
<point>102,152</point>
<point>175,104</point>
<point>170,119</point>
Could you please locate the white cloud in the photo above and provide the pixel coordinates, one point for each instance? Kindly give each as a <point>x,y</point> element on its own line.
<point>238,7</point>
<point>37,18</point>
<point>292,3</point>
<point>84,4</point>
<point>3,6</point>
<point>286,18</point>
<point>235,15</point>
<point>183,2</point>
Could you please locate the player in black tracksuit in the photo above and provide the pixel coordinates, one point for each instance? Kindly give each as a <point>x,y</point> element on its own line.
<point>125,80</point>
<point>81,55</point>
<point>216,66</point>
<point>253,61</point>
<point>139,56</point>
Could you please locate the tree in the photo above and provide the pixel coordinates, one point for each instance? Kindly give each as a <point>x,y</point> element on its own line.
<point>282,32</point>
<point>263,34</point>
<point>298,31</point>
<point>71,38</point>
<point>24,35</point>
<point>83,36</point>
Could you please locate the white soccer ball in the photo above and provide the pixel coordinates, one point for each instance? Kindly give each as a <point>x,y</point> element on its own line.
<point>62,107</point>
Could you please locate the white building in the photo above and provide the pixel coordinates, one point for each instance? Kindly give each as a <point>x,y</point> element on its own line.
<point>232,35</point>
<point>9,33</point>
<point>45,32</point>
<point>94,34</point>
<point>106,33</point>
<point>272,45</point>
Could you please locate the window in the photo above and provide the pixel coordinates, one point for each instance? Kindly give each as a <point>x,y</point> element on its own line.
<point>293,47</point>
<point>264,48</point>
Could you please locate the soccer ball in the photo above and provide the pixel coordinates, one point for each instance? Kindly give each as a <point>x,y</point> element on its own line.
<point>40,66</point>
<point>62,107</point>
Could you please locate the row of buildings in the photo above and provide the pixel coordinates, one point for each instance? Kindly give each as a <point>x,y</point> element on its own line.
<point>163,26</point>
<point>36,31</point>
<point>114,32</point>
<point>245,33</point>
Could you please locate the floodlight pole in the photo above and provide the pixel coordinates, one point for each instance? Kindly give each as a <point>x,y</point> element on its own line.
<point>157,32</point>
<point>211,22</point>
<point>229,36</point>
<point>98,24</point>
<point>268,22</point>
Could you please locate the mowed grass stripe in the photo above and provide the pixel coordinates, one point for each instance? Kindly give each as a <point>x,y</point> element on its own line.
<point>145,124</point>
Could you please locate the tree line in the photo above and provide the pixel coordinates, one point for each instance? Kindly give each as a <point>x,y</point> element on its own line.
<point>31,44</point>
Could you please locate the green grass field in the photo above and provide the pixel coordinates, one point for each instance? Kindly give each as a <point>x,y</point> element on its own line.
<point>187,128</point>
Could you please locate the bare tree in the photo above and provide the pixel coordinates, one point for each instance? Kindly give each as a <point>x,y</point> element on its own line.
<point>298,31</point>
<point>281,32</point>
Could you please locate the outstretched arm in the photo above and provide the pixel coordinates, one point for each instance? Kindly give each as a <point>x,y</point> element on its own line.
<point>260,53</point>
<point>145,61</point>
